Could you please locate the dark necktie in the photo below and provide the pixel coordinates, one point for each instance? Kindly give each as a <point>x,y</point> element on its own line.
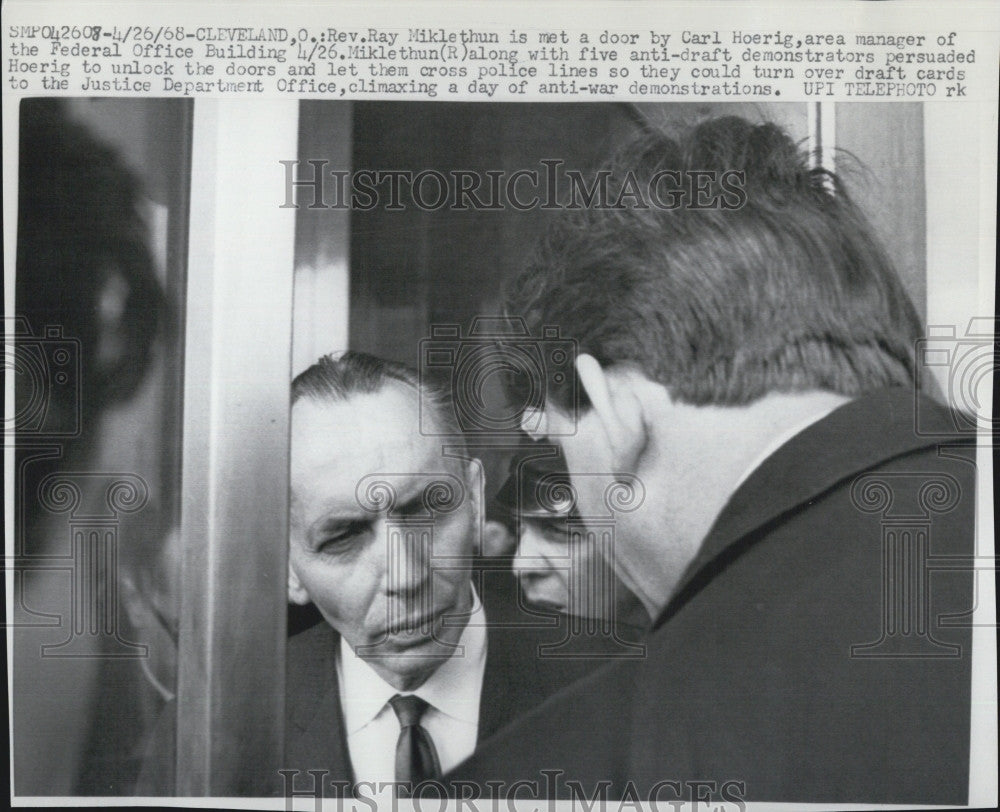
<point>416,758</point>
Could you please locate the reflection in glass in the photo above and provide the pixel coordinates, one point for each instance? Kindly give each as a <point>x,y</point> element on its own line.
<point>100,247</point>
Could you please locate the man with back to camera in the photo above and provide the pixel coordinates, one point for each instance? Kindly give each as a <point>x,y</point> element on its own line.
<point>753,367</point>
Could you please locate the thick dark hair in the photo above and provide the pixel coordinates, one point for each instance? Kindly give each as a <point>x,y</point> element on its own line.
<point>336,377</point>
<point>787,292</point>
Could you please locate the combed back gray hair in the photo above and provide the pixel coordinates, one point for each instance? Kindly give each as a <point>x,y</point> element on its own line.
<point>336,377</point>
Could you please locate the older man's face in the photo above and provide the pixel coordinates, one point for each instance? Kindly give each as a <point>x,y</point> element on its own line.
<point>373,567</point>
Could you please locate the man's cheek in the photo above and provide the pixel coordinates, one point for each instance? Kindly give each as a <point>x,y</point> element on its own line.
<point>457,537</point>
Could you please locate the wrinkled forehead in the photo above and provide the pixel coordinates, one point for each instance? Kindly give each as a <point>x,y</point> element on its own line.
<point>337,445</point>
<point>387,418</point>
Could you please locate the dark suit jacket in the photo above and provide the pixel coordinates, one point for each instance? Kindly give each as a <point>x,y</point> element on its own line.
<point>531,654</point>
<point>792,660</point>
<point>529,657</point>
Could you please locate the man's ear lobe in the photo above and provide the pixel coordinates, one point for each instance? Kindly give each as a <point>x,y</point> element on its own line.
<point>296,592</point>
<point>613,397</point>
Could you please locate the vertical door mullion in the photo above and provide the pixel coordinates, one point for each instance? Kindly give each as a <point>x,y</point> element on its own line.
<point>235,449</point>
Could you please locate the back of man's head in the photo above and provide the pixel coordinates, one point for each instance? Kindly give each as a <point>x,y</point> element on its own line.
<point>784,290</point>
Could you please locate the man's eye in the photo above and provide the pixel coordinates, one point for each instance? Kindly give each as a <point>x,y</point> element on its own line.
<point>554,529</point>
<point>332,542</point>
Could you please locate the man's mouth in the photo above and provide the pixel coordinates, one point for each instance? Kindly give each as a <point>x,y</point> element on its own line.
<point>545,603</point>
<point>409,625</point>
<point>424,623</point>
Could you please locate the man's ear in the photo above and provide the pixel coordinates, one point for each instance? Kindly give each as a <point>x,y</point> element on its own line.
<point>296,592</point>
<point>614,399</point>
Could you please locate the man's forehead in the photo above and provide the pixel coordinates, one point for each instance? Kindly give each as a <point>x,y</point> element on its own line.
<point>390,414</point>
<point>338,444</point>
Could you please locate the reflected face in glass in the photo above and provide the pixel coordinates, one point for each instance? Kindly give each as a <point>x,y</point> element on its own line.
<point>369,566</point>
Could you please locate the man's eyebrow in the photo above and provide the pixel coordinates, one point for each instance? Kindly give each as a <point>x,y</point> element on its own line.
<point>341,519</point>
<point>554,522</point>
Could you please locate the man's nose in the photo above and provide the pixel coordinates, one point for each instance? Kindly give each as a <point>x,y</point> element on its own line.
<point>534,423</point>
<point>408,557</point>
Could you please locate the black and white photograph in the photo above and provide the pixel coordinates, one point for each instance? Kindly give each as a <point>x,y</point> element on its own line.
<point>378,440</point>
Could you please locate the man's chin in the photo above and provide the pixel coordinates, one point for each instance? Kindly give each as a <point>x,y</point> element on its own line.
<point>408,667</point>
